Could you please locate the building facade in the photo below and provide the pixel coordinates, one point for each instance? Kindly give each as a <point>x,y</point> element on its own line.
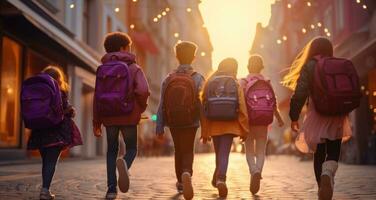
<point>70,33</point>
<point>351,27</point>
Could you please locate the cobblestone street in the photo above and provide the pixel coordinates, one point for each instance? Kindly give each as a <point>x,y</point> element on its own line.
<point>153,178</point>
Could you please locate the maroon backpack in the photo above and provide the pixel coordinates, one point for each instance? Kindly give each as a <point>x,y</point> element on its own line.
<point>180,99</point>
<point>335,89</point>
<point>113,89</point>
<point>260,100</point>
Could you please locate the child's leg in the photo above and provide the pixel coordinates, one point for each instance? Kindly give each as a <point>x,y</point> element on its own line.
<point>250,154</point>
<point>260,152</point>
<point>50,157</point>
<point>187,149</point>
<point>318,160</point>
<point>130,141</point>
<point>333,149</point>
<point>112,133</point>
<point>223,144</point>
<point>176,138</point>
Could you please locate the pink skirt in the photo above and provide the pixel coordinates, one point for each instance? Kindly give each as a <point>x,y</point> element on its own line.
<point>316,128</point>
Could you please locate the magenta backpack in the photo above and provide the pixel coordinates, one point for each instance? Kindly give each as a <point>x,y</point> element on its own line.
<point>260,100</point>
<point>41,103</point>
<point>113,89</point>
<point>335,89</point>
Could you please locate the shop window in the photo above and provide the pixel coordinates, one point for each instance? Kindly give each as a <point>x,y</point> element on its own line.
<point>11,55</point>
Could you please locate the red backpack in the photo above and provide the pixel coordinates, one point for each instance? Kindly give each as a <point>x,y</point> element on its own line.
<point>335,89</point>
<point>180,99</point>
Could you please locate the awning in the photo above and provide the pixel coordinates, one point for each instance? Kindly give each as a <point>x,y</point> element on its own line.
<point>144,41</point>
<point>59,36</point>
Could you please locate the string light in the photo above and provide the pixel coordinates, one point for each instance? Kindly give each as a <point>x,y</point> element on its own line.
<point>357,1</point>
<point>132,26</point>
<point>164,13</point>
<point>189,9</point>
<point>134,1</point>
<point>289,5</point>
<point>362,87</point>
<point>167,9</point>
<point>364,6</point>
<point>71,5</point>
<point>328,34</point>
<point>319,24</point>
<point>176,35</point>
<point>304,30</point>
<point>284,37</point>
<point>155,19</point>
<point>309,4</point>
<point>312,26</point>
<point>279,41</point>
<point>203,54</point>
<point>374,93</point>
<point>326,30</point>
<point>117,9</point>
<point>179,41</point>
<point>159,16</point>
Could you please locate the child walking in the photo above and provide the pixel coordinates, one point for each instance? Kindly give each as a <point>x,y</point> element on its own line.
<point>261,106</point>
<point>225,117</point>
<point>179,109</point>
<point>326,123</point>
<point>51,140</point>
<point>121,94</point>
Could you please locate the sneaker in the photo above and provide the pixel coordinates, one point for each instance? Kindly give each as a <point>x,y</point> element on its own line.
<point>111,193</point>
<point>123,181</point>
<point>45,194</point>
<point>179,187</point>
<point>326,189</point>
<point>222,188</point>
<point>255,183</point>
<point>187,185</point>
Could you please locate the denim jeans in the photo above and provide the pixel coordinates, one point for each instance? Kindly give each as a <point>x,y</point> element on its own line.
<point>130,139</point>
<point>184,144</point>
<point>222,147</point>
<point>50,156</point>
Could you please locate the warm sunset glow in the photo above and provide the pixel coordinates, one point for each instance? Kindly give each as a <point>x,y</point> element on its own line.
<point>232,27</point>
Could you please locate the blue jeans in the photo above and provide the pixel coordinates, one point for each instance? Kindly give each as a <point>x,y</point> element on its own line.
<point>222,147</point>
<point>50,156</point>
<point>130,140</point>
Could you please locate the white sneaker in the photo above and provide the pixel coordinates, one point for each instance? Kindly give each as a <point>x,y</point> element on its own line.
<point>45,194</point>
<point>187,185</point>
<point>123,181</point>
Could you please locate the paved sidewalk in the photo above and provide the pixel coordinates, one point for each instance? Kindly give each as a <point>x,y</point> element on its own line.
<point>153,178</point>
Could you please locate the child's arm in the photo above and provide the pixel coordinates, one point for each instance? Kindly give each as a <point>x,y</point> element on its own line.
<point>160,119</point>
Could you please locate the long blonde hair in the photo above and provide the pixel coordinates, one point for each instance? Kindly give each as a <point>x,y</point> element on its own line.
<point>317,46</point>
<point>58,74</point>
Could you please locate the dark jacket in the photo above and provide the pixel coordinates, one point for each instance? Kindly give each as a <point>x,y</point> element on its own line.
<point>140,90</point>
<point>302,90</point>
<point>199,81</point>
<point>66,134</point>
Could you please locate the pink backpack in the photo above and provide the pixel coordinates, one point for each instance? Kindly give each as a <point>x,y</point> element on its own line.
<point>260,100</point>
<point>335,89</point>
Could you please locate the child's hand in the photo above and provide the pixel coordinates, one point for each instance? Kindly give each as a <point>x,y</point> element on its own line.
<point>160,136</point>
<point>205,140</point>
<point>295,126</point>
<point>243,139</point>
<point>97,131</point>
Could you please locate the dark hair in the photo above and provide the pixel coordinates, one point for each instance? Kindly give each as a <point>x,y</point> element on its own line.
<point>185,52</point>
<point>320,46</point>
<point>255,63</point>
<point>114,41</point>
<point>228,66</point>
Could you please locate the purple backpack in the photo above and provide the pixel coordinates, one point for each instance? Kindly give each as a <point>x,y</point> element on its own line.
<point>41,103</point>
<point>260,100</point>
<point>113,89</point>
<point>335,89</point>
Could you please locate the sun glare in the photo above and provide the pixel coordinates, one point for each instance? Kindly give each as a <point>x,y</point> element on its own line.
<point>232,26</point>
